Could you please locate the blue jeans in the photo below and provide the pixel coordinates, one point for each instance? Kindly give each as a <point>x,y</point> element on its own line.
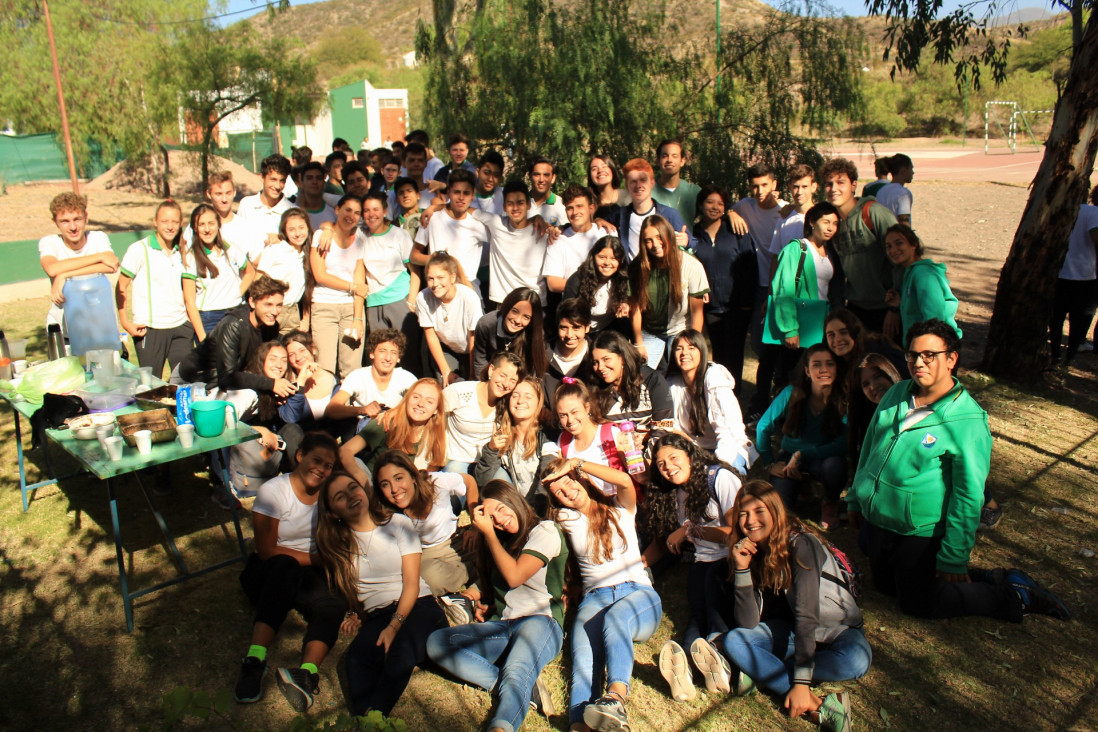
<point>657,346</point>
<point>210,318</point>
<point>473,652</point>
<point>765,653</point>
<point>608,622</point>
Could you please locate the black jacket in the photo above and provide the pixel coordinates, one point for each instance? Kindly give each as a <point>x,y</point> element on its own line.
<point>220,359</point>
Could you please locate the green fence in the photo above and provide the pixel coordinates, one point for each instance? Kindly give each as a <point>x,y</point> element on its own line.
<point>28,158</point>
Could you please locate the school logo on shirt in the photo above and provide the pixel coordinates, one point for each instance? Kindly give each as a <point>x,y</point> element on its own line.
<point>929,440</point>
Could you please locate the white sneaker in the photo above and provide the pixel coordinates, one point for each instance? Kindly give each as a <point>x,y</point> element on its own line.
<point>713,666</point>
<point>675,668</point>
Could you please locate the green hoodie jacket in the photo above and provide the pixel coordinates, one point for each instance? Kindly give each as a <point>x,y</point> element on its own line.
<point>927,480</point>
<point>925,294</point>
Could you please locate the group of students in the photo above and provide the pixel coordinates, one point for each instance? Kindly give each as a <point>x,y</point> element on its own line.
<point>593,437</point>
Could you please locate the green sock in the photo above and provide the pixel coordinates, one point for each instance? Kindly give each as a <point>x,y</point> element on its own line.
<point>310,667</point>
<point>259,652</point>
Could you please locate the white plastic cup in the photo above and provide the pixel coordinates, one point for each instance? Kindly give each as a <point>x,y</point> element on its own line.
<point>102,433</point>
<point>143,438</point>
<point>185,433</point>
<point>145,375</point>
<point>19,366</point>
<point>114,447</point>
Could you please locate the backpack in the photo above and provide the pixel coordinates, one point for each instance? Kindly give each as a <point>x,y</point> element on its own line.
<point>839,570</point>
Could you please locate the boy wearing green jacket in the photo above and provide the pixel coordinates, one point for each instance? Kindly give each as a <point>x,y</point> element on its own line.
<point>920,486</point>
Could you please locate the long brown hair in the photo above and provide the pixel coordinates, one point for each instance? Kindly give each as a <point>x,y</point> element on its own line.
<point>602,521</point>
<point>529,343</point>
<point>796,411</point>
<point>268,403</point>
<point>203,265</point>
<point>770,567</point>
<point>642,265</point>
<point>509,429</point>
<point>399,429</point>
<point>424,490</point>
<point>509,496</point>
<point>336,543</point>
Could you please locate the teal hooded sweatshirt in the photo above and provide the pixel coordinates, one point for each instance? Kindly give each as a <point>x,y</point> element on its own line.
<point>925,294</point>
<point>927,480</point>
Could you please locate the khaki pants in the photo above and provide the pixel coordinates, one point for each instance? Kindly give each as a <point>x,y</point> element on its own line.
<point>442,567</point>
<point>328,323</point>
<point>289,319</point>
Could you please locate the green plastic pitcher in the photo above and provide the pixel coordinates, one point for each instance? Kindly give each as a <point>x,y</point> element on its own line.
<point>209,417</point>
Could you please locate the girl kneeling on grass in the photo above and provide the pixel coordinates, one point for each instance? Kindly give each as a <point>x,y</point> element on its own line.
<point>283,575</point>
<point>796,622</point>
<point>522,560</point>
<point>373,557</point>
<point>619,605</point>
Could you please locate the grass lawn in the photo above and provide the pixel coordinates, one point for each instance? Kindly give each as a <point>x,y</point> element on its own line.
<point>69,664</point>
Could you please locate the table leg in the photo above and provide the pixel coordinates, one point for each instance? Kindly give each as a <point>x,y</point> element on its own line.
<point>169,540</point>
<point>127,600</point>
<point>223,467</point>
<point>25,488</point>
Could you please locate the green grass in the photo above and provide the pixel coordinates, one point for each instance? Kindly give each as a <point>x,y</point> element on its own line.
<point>68,662</point>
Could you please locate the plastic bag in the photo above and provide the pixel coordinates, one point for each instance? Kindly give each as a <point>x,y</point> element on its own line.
<point>55,377</point>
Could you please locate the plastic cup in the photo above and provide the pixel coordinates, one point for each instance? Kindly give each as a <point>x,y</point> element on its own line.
<point>145,375</point>
<point>185,433</point>
<point>143,438</point>
<point>114,447</point>
<point>17,348</point>
<point>19,366</point>
<point>102,433</point>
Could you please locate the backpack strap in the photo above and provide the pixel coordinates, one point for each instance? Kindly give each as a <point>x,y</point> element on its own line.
<point>800,267</point>
<point>565,442</point>
<point>866,219</point>
<point>711,481</point>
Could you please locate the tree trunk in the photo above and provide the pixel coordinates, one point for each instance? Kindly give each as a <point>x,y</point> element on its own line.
<point>1023,301</point>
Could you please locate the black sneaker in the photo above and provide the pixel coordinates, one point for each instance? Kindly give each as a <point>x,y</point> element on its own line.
<point>606,715</point>
<point>990,517</point>
<point>298,686</point>
<point>249,687</point>
<point>1035,599</point>
<point>458,609</point>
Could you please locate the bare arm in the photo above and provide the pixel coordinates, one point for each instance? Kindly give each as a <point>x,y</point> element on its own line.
<point>347,452</point>
<point>103,262</point>
<point>121,297</point>
<point>247,278</point>
<point>419,255</point>
<point>190,299</point>
<point>434,347</point>
<point>697,313</point>
<point>266,540</point>
<point>556,284</point>
<point>409,593</point>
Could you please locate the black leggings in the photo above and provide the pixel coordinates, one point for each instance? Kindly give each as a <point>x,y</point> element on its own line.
<point>279,584</point>
<point>1075,301</point>
<point>376,679</point>
<point>728,336</point>
<point>906,567</point>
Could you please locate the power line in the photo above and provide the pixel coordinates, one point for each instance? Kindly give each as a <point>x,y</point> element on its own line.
<point>179,22</point>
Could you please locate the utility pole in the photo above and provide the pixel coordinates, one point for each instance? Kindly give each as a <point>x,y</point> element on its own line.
<point>61,101</point>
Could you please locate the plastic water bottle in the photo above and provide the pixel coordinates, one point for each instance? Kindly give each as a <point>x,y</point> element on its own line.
<point>628,445</point>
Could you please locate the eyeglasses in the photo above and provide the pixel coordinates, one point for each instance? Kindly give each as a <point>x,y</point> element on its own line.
<point>926,356</point>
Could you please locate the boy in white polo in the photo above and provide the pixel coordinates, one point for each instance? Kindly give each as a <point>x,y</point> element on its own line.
<point>74,252</point>
<point>262,212</point>
<point>150,282</point>
<point>567,253</point>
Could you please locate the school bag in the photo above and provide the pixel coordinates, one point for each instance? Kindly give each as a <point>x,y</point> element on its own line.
<point>838,570</point>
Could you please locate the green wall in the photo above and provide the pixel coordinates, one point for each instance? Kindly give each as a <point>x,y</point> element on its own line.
<point>20,258</point>
<point>348,123</point>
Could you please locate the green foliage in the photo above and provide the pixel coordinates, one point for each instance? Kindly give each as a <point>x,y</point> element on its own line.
<point>1047,51</point>
<point>346,47</point>
<point>105,51</point>
<point>211,73</point>
<point>534,79</point>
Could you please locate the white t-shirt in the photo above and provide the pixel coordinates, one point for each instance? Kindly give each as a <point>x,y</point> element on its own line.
<point>600,308</point>
<point>386,258</point>
<point>824,271</point>
<point>896,198</point>
<point>296,520</point>
<point>259,220</point>
<point>515,258</point>
<point>727,486</point>
<point>440,523</point>
<point>791,229</point>
<point>632,243</point>
<point>284,263</point>
<point>325,214</point>
<point>532,597</point>
<point>362,388</point>
<point>624,564</point>
<point>156,295</point>
<point>95,242</point>
<point>433,166</point>
<point>568,366</point>
<point>568,252</point>
<point>235,233</point>
<point>1080,261</point>
<point>452,321</point>
<point>467,428</point>
<point>492,204</point>
<point>379,560</point>
<point>761,223</point>
<point>463,238</point>
<point>341,263</point>
<point>723,433</point>
<point>551,210</point>
<point>221,292</point>
<point>596,452</point>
